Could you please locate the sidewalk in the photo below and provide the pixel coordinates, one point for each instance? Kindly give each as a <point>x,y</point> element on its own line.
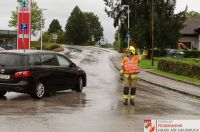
<point>163,81</point>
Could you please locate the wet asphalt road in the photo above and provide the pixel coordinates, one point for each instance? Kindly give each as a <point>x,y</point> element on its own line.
<point>99,108</point>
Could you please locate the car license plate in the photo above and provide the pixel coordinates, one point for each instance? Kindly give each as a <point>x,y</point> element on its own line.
<point>4,76</point>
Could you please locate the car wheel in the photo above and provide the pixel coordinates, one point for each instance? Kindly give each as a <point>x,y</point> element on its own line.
<point>39,90</point>
<point>79,86</point>
<point>2,93</point>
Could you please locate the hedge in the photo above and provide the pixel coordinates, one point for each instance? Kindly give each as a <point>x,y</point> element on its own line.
<point>192,54</point>
<point>180,67</point>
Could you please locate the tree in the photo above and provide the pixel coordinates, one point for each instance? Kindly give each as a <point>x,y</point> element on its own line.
<point>77,31</point>
<point>167,23</point>
<point>192,14</point>
<point>95,27</point>
<point>36,16</point>
<point>55,26</point>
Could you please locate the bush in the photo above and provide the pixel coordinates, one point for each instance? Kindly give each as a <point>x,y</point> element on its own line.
<point>33,48</point>
<point>35,45</point>
<point>180,67</point>
<point>59,49</point>
<point>192,54</point>
<point>157,53</point>
<point>51,46</point>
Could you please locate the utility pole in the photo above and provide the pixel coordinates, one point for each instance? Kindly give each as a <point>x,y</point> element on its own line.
<point>152,32</point>
<point>41,32</point>
<point>128,33</point>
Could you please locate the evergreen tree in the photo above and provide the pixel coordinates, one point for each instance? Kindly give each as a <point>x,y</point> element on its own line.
<point>192,14</point>
<point>77,31</point>
<point>55,26</point>
<point>94,25</point>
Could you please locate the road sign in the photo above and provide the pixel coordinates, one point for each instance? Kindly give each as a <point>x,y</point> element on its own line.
<point>92,38</point>
<point>55,36</point>
<point>24,3</point>
<point>24,24</point>
<point>128,35</point>
<point>24,27</point>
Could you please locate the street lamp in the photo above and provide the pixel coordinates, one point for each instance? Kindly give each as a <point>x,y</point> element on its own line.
<point>128,34</point>
<point>41,32</point>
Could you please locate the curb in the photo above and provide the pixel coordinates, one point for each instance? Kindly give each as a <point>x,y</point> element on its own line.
<point>169,88</point>
<point>172,78</point>
<point>172,89</point>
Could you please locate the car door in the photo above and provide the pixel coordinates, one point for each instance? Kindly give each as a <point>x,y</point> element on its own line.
<point>66,71</point>
<point>50,71</point>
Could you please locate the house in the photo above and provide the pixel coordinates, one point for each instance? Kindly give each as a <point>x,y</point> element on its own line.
<point>190,34</point>
<point>8,39</point>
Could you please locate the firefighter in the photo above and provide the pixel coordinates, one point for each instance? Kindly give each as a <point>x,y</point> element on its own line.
<point>130,69</point>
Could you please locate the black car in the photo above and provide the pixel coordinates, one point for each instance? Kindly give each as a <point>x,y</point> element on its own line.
<point>38,73</point>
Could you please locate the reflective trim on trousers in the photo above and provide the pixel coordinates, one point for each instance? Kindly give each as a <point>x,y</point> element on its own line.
<point>125,96</point>
<point>133,97</point>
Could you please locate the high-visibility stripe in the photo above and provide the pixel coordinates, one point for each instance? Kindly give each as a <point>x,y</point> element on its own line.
<point>133,97</point>
<point>125,96</point>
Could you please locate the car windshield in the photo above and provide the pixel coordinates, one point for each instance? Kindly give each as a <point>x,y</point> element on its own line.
<point>9,60</point>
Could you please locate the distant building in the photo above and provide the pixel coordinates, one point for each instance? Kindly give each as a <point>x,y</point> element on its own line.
<point>8,39</point>
<point>190,34</point>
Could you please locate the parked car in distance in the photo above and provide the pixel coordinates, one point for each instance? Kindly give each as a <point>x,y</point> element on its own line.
<point>2,49</point>
<point>38,73</point>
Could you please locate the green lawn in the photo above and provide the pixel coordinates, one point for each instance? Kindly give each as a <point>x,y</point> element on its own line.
<point>146,64</point>
<point>177,77</point>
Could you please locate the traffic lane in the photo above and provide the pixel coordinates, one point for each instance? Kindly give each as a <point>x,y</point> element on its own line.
<point>159,100</point>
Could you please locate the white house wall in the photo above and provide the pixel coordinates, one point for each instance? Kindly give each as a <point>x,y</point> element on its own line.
<point>195,41</point>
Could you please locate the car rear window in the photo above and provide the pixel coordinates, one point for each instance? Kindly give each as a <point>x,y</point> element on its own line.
<point>9,60</point>
<point>34,60</point>
<point>49,59</point>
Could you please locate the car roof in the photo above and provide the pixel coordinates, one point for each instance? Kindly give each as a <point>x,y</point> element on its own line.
<point>26,52</point>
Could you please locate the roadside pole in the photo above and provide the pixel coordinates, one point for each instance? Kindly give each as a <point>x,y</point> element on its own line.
<point>152,32</point>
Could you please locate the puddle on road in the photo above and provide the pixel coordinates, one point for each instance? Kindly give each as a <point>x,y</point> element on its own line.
<point>61,102</point>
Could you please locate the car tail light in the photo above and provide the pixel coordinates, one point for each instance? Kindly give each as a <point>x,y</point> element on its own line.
<point>22,74</point>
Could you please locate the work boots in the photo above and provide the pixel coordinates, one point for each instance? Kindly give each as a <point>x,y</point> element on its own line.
<point>125,102</point>
<point>132,102</point>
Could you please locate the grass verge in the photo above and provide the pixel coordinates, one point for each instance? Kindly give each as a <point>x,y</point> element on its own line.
<point>146,64</point>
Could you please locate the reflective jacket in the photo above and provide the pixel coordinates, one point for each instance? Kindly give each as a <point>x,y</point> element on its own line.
<point>131,66</point>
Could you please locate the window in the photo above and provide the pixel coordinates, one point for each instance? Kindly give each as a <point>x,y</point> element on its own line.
<point>35,60</point>
<point>49,59</point>
<point>10,59</point>
<point>63,61</point>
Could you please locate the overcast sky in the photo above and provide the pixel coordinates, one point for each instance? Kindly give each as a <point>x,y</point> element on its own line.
<point>61,9</point>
